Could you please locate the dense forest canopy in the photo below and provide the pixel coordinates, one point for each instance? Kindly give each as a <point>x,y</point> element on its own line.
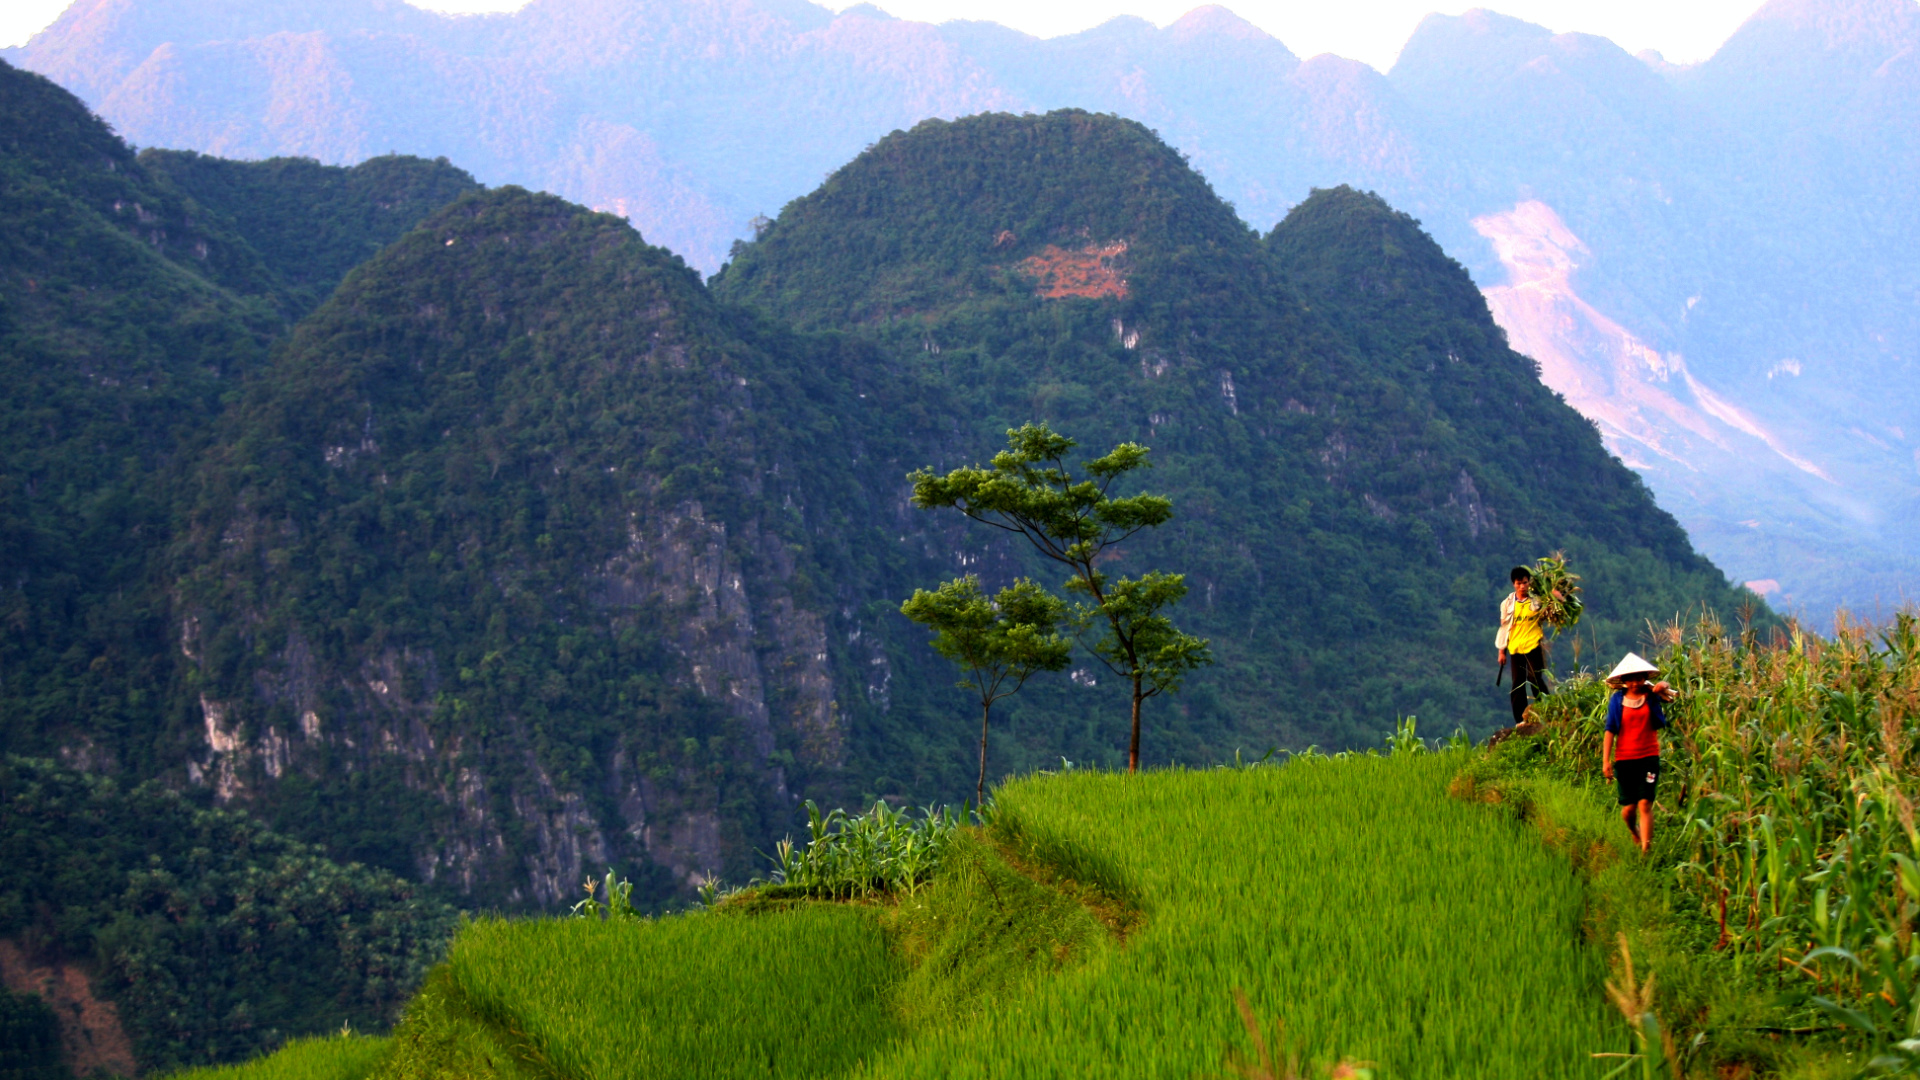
<point>214,937</point>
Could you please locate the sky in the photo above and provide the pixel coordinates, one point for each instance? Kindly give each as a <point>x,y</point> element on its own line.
<point>1373,31</point>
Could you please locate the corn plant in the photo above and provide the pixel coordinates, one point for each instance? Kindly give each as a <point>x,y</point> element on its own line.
<point>882,850</point>
<point>617,905</point>
<point>1657,1056</point>
<point>1791,771</point>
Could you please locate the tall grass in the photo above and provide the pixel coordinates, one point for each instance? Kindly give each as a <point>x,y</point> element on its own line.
<point>1377,918</point>
<point>1791,766</point>
<point>334,1057</point>
<point>800,992</point>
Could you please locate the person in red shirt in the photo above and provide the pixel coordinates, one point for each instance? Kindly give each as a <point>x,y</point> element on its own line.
<point>1630,750</point>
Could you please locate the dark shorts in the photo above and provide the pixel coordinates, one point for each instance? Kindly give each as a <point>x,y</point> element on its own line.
<point>1636,779</point>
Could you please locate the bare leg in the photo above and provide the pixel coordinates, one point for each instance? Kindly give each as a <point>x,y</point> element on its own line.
<point>1645,807</point>
<point>1627,819</point>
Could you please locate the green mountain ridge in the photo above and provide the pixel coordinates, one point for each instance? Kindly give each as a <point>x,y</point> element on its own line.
<point>310,224</point>
<point>1355,455</point>
<point>524,552</point>
<point>517,499</point>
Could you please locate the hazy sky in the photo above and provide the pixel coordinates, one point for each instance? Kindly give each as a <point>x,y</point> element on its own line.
<point>1369,30</point>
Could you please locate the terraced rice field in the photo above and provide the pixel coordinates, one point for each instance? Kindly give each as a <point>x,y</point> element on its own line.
<point>798,993</point>
<point>1351,901</point>
<point>347,1057</point>
<point>1378,919</point>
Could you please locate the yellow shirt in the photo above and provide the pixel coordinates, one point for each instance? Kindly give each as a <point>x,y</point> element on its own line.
<point>1523,629</point>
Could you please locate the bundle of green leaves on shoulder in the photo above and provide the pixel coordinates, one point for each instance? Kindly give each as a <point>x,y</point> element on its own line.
<point>1558,590</point>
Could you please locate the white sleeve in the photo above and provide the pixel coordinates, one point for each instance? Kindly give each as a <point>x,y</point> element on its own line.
<point>1506,623</point>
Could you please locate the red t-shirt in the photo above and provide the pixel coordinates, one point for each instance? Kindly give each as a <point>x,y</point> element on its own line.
<point>1637,737</point>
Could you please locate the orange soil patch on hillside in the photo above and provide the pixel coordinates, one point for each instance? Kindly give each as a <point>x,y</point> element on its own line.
<point>1090,272</point>
<point>90,1031</point>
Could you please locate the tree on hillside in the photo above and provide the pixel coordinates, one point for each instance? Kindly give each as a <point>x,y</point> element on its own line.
<point>999,641</point>
<point>1075,521</point>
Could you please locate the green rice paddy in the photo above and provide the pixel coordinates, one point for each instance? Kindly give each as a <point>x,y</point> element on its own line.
<point>1102,926</point>
<point>794,993</point>
<point>1352,901</point>
<point>338,1057</point>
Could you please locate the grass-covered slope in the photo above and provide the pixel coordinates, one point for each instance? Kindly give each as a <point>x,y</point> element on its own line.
<point>213,937</point>
<point>1376,918</point>
<point>794,993</point>
<point>342,1056</point>
<point>1345,516</point>
<point>1351,900</point>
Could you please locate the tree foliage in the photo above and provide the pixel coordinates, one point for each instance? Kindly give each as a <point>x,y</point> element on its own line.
<point>1029,490</point>
<point>215,937</point>
<point>998,641</point>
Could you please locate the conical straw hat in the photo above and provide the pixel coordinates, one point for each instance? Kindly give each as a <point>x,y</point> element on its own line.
<point>1634,664</point>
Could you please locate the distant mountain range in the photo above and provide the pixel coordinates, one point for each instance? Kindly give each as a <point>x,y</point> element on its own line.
<point>1719,264</point>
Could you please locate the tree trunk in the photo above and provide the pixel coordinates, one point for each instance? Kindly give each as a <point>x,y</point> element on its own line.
<point>980,791</point>
<point>1133,746</point>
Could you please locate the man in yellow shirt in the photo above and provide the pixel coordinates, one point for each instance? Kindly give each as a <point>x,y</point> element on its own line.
<point>1520,642</point>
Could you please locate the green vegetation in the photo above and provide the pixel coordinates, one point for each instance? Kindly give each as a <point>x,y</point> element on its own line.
<point>1100,925</point>
<point>800,992</point>
<point>1558,590</point>
<point>557,410</point>
<point>117,338</point>
<point>883,850</point>
<point>1377,918</point>
<point>310,224</point>
<point>29,1039</point>
<point>1780,895</point>
<point>1367,909</point>
<point>1357,456</point>
<point>215,938</point>
<point>523,554</point>
<point>984,934</point>
<point>335,1057</point>
<point>1079,523</point>
<point>999,642</point>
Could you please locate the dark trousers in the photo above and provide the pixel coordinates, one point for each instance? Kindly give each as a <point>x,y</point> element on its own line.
<point>1528,668</point>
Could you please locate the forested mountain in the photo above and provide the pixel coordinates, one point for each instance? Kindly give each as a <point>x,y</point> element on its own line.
<point>526,553</point>
<point>526,541</point>
<point>1714,262</point>
<point>1354,454</point>
<point>130,308</point>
